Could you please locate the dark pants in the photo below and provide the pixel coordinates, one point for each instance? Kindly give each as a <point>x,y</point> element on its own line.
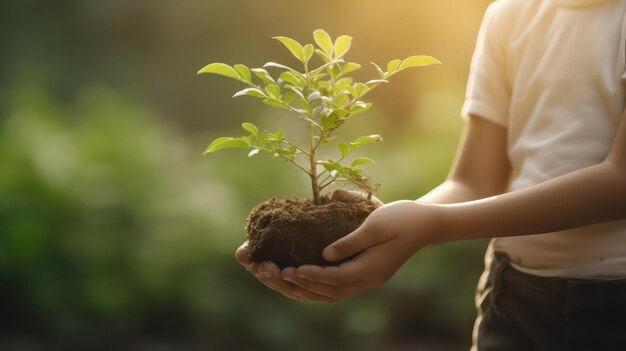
<point>518,311</point>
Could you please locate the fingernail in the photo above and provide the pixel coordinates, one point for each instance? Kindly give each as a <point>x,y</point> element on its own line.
<point>330,254</point>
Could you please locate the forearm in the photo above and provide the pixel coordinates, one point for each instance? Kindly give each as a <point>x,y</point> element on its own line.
<point>588,196</point>
<point>450,192</point>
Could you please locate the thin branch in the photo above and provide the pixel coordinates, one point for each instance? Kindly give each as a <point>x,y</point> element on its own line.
<point>321,174</point>
<point>328,183</point>
<point>297,164</point>
<point>297,147</point>
<point>325,179</point>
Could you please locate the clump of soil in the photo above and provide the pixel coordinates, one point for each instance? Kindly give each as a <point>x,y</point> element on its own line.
<point>293,232</point>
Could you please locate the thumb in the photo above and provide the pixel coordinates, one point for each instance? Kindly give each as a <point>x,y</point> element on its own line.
<point>346,195</point>
<point>349,245</point>
<point>241,255</point>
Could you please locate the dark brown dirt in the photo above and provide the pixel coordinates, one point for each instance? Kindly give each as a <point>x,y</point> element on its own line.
<point>293,232</point>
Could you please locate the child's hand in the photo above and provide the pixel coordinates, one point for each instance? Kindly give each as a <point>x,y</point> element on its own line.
<point>387,238</point>
<point>270,275</point>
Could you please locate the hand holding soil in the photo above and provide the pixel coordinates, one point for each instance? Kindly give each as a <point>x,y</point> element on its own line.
<point>269,272</point>
<point>387,239</point>
<point>380,246</point>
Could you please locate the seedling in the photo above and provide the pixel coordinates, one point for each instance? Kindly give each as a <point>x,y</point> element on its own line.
<point>324,98</point>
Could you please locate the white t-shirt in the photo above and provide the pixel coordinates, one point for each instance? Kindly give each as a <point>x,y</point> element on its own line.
<point>552,73</point>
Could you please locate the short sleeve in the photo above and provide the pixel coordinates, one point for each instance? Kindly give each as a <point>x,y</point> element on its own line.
<point>488,93</point>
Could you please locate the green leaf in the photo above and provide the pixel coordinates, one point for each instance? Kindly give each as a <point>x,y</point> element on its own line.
<point>323,86</point>
<point>418,61</point>
<point>276,103</point>
<point>263,75</point>
<point>342,83</point>
<point>352,91</point>
<point>313,123</point>
<point>250,128</point>
<point>362,161</point>
<point>288,153</point>
<point>392,66</point>
<point>244,72</point>
<point>345,149</point>
<point>361,89</point>
<point>327,64</point>
<point>364,140</point>
<point>323,40</point>
<point>330,121</point>
<point>308,52</point>
<point>273,90</point>
<point>292,79</point>
<point>342,46</point>
<point>297,91</point>
<point>342,113</point>
<point>261,139</point>
<point>342,100</point>
<point>360,106</point>
<point>254,92</point>
<point>278,65</point>
<point>225,143</point>
<point>278,136</point>
<point>221,69</point>
<point>296,49</point>
<point>328,102</point>
<point>329,165</point>
<point>376,81</point>
<point>290,96</point>
<point>380,71</point>
<point>323,55</point>
<point>349,67</point>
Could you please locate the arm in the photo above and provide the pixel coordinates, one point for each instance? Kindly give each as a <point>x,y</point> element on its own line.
<point>396,231</point>
<point>588,196</point>
<point>481,168</point>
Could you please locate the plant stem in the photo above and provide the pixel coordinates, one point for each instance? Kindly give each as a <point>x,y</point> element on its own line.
<point>313,171</point>
<point>315,185</point>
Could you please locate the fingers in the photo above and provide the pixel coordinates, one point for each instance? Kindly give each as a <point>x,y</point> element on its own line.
<point>269,274</point>
<point>241,255</point>
<point>288,274</point>
<point>344,274</point>
<point>352,244</point>
<point>347,195</point>
<point>351,195</point>
<point>329,292</point>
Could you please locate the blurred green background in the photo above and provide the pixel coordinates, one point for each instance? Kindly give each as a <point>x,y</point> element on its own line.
<point>115,232</point>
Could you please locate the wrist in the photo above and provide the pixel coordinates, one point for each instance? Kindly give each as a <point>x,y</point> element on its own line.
<point>425,221</point>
